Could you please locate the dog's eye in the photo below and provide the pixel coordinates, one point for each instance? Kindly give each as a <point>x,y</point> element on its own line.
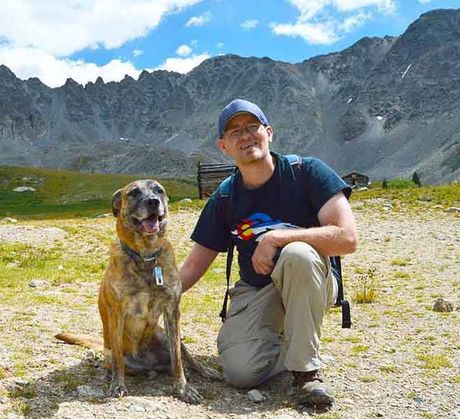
<point>159,191</point>
<point>134,192</point>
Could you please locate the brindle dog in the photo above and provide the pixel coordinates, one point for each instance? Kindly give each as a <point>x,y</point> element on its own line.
<point>141,283</point>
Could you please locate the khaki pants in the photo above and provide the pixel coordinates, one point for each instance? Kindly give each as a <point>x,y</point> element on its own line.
<point>277,328</point>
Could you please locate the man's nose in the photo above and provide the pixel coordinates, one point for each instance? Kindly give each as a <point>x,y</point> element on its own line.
<point>245,131</point>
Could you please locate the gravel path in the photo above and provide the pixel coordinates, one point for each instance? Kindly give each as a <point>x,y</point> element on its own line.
<point>400,359</point>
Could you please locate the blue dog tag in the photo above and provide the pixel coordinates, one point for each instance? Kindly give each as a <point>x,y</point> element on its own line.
<point>158,274</point>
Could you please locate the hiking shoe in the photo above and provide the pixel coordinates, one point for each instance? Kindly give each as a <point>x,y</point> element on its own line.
<point>310,390</point>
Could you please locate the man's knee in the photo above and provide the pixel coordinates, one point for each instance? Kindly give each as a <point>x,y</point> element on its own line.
<point>248,364</point>
<point>301,257</point>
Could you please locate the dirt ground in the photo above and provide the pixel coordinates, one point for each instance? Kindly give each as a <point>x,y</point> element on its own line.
<point>400,359</point>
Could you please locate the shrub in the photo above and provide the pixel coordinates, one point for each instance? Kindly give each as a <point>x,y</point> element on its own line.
<point>367,287</point>
<point>400,184</point>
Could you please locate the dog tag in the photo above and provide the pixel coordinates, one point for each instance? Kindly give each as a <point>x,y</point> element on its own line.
<point>158,274</point>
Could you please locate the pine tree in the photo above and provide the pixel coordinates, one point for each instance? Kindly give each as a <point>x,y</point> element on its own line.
<point>416,179</point>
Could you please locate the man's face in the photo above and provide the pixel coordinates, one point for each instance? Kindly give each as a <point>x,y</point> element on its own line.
<point>245,139</point>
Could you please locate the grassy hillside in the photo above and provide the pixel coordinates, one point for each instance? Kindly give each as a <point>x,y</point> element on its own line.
<point>66,194</point>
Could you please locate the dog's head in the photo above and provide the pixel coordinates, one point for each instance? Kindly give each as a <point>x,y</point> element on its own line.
<point>141,206</point>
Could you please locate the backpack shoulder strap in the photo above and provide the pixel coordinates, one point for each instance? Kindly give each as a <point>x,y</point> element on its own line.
<point>224,200</point>
<point>225,214</point>
<point>296,162</point>
<point>294,159</point>
<point>225,187</point>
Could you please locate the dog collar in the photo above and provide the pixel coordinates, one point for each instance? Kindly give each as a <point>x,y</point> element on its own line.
<point>138,257</point>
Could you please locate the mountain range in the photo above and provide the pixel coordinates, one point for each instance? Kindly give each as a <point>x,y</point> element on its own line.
<point>385,107</point>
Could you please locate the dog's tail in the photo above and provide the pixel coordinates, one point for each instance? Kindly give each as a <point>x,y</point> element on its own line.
<point>82,340</point>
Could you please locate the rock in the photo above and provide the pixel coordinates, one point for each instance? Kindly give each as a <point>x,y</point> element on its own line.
<point>186,201</point>
<point>88,391</point>
<point>106,215</point>
<point>387,206</point>
<point>256,396</point>
<point>24,189</point>
<point>328,358</point>
<point>442,305</point>
<point>8,220</point>
<point>37,283</point>
<point>60,268</point>
<point>453,209</point>
<point>438,207</point>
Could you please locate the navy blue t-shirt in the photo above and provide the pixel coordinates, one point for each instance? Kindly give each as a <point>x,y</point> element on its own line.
<point>291,198</point>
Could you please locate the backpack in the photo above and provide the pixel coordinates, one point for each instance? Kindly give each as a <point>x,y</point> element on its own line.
<point>225,212</point>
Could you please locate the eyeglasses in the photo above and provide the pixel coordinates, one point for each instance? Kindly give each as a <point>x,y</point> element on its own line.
<point>237,133</point>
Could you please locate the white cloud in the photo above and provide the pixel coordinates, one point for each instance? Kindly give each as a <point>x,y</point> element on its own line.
<point>313,33</point>
<point>220,45</point>
<point>46,32</point>
<point>199,20</point>
<point>183,65</point>
<point>326,21</point>
<point>310,8</point>
<point>62,28</point>
<point>354,21</point>
<point>137,52</point>
<point>424,1</point>
<point>184,50</point>
<point>249,24</point>
<point>28,62</point>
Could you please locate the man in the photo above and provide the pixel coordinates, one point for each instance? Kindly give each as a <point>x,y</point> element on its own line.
<point>286,222</point>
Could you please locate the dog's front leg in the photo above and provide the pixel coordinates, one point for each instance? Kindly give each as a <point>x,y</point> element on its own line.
<point>117,386</point>
<point>183,390</point>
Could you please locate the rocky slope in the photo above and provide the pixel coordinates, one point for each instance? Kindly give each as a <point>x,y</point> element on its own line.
<point>385,106</point>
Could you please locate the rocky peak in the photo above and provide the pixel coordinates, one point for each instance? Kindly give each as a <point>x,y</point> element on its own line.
<point>384,107</point>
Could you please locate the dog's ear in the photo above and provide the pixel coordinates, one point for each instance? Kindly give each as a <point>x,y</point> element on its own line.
<point>116,202</point>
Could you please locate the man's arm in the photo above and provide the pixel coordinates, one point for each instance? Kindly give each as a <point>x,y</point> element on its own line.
<point>196,264</point>
<point>335,236</point>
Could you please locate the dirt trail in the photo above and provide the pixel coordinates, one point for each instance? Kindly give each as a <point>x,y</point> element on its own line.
<point>400,359</point>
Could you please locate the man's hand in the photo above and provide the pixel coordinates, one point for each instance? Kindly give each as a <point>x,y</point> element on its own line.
<point>262,259</point>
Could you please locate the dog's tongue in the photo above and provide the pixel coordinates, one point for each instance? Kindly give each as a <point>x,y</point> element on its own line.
<point>151,225</point>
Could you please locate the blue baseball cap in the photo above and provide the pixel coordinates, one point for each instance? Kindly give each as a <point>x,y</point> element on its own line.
<point>239,106</point>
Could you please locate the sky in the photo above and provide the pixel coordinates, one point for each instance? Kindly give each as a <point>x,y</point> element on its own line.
<point>84,39</point>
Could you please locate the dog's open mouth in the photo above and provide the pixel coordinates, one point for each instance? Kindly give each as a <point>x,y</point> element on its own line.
<point>149,225</point>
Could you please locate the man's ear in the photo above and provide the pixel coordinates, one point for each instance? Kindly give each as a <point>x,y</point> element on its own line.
<point>116,202</point>
<point>269,131</point>
<point>221,145</point>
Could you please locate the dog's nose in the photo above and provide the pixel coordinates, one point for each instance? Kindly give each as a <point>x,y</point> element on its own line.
<point>153,202</point>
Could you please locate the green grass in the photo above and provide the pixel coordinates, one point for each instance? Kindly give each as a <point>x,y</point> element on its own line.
<point>434,361</point>
<point>444,195</point>
<point>365,291</point>
<point>21,263</point>
<point>67,194</point>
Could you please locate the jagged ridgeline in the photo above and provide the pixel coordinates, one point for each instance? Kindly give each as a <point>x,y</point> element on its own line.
<point>386,107</point>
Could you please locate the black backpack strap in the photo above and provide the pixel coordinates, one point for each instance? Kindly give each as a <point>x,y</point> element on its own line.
<point>296,162</point>
<point>225,210</point>
<point>228,273</point>
<point>336,266</point>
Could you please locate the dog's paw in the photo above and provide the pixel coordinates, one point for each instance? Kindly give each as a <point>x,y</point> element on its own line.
<point>117,390</point>
<point>189,395</point>
<point>212,374</point>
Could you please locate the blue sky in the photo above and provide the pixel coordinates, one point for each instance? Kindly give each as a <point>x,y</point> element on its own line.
<point>84,39</point>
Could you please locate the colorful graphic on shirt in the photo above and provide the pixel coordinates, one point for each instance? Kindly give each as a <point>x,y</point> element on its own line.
<point>257,224</point>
